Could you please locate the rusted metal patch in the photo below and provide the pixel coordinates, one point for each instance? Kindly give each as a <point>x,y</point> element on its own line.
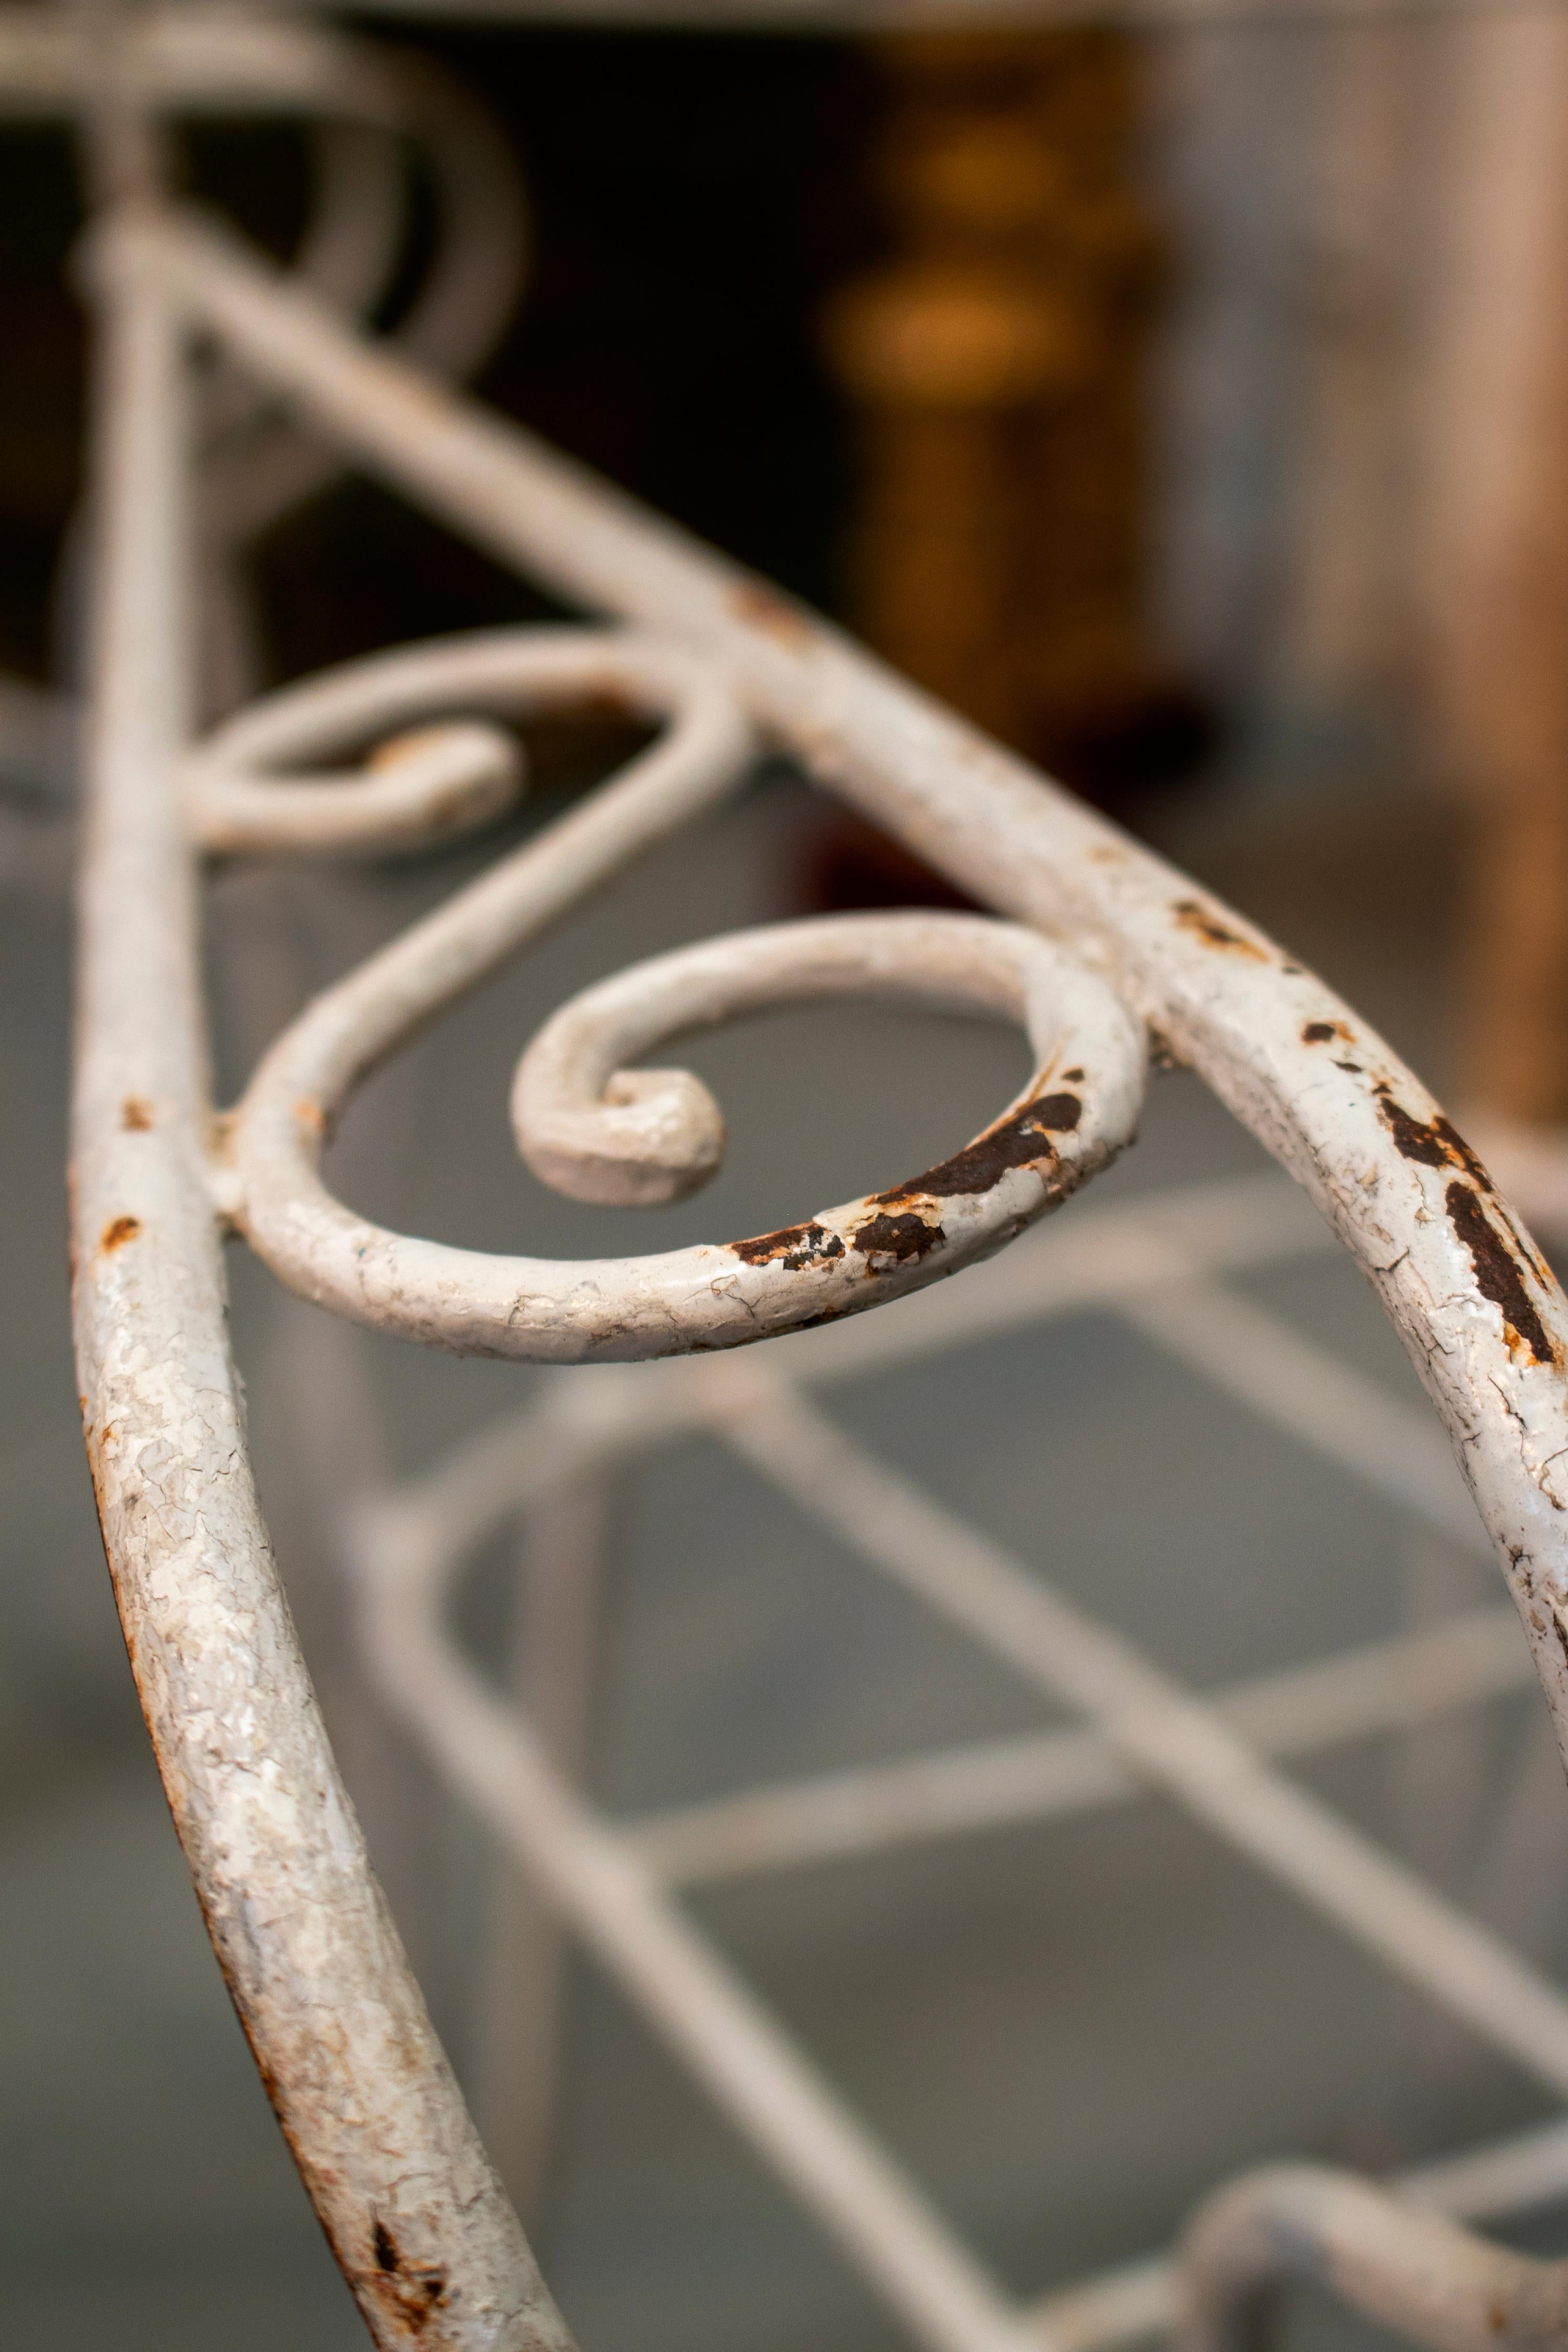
<point>906,1228</point>
<point>897,1238</point>
<point>792,1246</point>
<point>1431,1144</point>
<point>136,1115</point>
<point>116,1232</point>
<point>1195,917</point>
<point>1323,1033</point>
<point>1012,1143</point>
<point>1494,1257</point>
<point>417,2290</point>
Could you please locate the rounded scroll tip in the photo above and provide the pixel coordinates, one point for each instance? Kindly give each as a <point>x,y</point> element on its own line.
<point>657,1136</point>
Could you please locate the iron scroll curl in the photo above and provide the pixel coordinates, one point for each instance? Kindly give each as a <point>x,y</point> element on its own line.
<point>587,1121</point>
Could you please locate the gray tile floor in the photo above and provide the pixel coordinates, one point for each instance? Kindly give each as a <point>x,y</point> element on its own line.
<point>1065,2032</point>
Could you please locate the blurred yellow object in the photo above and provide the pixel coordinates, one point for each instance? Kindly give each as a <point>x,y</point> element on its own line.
<point>997,364</point>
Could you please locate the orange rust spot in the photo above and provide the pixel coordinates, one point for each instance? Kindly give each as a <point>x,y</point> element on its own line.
<point>136,1114</point>
<point>762,608</point>
<point>116,1232</point>
<point>1195,917</point>
<point>1323,1033</point>
<point>309,1114</point>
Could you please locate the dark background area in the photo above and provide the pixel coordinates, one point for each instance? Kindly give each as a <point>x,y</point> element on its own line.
<point>693,200</point>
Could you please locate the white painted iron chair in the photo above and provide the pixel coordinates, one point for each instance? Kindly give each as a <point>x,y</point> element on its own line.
<point>1099,951</point>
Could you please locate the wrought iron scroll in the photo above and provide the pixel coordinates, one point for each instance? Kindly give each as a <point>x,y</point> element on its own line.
<point>1102,946</point>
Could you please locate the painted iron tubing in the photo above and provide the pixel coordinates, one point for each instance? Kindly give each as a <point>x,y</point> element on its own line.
<point>1176,1742</point>
<point>1412,2271</point>
<point>1313,1396</point>
<point>591,1127</point>
<point>1475,1304</point>
<point>1139,2299</point>
<point>1106,1255</point>
<point>338,2026</point>
<point>1383,1687</point>
<point>363,99</point>
<point>409,1547</point>
<point>595,1879</point>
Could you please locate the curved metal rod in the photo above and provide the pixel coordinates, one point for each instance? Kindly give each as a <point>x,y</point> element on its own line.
<point>346,253</point>
<point>363,99</point>
<point>597,1882</point>
<point>414,788</point>
<point>383,2142</point>
<point>475,281</point>
<point>1475,1304</point>
<point>255,475</point>
<point>420,2226</point>
<point>598,1132</point>
<point>349,243</point>
<point>1414,2270</point>
<point>605,1133</point>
